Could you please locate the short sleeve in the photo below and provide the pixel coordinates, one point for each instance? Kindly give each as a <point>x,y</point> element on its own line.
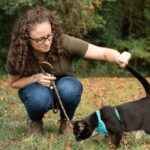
<point>76,47</point>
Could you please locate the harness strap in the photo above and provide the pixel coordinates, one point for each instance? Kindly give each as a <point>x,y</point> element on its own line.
<point>117,113</point>
<point>101,125</point>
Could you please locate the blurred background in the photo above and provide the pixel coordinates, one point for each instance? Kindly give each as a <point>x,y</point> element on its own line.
<point>119,24</point>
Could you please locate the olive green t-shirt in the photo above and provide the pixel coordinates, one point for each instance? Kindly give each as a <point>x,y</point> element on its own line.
<point>73,48</point>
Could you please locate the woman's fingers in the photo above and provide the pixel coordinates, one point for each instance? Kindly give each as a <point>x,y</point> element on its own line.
<point>124,59</point>
<point>45,79</point>
<point>49,77</point>
<point>45,82</point>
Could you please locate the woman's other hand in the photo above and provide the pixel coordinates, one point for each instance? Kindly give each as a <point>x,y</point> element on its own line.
<point>124,58</point>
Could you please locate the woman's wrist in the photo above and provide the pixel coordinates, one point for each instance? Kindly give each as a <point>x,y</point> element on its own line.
<point>117,58</point>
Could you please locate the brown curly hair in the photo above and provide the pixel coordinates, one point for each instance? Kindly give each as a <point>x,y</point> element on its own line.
<point>20,55</point>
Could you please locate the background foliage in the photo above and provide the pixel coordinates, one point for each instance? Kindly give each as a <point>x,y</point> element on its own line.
<point>119,24</point>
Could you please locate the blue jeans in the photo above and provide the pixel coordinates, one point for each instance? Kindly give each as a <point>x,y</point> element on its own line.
<point>38,99</point>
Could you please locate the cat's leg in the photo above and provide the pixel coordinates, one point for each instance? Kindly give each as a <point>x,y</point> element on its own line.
<point>116,138</point>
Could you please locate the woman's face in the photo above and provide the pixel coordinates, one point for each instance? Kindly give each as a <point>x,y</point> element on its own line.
<point>41,36</point>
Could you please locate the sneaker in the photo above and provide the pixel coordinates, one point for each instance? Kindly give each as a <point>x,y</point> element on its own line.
<point>65,127</point>
<point>35,127</point>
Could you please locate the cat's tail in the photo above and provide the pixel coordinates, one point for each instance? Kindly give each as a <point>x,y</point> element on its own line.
<point>142,80</point>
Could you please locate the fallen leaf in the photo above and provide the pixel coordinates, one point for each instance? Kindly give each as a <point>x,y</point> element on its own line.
<point>1,99</point>
<point>68,145</point>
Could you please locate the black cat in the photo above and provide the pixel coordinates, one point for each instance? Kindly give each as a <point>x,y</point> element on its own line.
<point>131,116</point>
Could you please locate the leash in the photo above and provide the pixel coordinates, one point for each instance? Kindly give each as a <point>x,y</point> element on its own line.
<point>46,67</point>
<point>60,102</point>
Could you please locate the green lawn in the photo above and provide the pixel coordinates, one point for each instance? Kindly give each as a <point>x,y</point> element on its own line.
<point>97,92</point>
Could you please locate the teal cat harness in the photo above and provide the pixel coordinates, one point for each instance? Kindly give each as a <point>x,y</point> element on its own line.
<point>101,125</point>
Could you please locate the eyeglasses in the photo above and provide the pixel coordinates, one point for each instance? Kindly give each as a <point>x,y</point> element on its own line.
<point>42,40</point>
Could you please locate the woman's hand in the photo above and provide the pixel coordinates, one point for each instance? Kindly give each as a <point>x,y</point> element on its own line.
<point>123,59</point>
<point>44,79</point>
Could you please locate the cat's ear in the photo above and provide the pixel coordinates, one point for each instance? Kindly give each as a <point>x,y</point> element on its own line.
<point>78,125</point>
<point>81,126</point>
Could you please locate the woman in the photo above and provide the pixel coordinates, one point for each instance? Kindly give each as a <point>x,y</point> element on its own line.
<point>36,37</point>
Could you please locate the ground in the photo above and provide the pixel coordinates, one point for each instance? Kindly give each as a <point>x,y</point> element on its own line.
<point>97,92</point>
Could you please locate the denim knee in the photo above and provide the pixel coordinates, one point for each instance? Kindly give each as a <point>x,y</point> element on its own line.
<point>70,90</point>
<point>37,100</point>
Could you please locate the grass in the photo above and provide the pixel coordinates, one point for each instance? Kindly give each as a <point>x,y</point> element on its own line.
<point>97,92</point>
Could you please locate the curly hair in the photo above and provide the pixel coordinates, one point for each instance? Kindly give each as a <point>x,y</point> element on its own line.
<point>20,55</point>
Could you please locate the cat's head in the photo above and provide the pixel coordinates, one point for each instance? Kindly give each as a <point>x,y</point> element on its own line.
<point>82,130</point>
